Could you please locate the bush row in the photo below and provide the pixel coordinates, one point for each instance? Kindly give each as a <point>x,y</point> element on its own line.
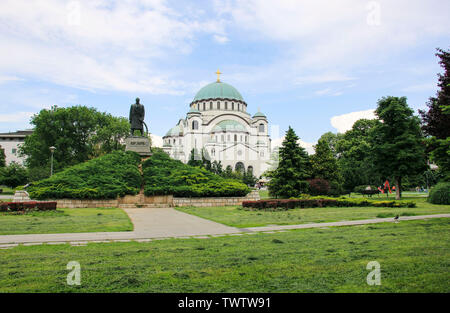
<point>440,194</point>
<point>107,177</point>
<point>163,176</point>
<point>285,204</point>
<point>27,206</point>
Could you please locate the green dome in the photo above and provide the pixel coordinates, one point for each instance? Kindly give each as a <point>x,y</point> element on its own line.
<point>259,114</point>
<point>218,90</point>
<point>228,125</point>
<point>174,131</point>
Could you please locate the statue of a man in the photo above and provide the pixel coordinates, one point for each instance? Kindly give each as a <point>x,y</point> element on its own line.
<point>137,114</point>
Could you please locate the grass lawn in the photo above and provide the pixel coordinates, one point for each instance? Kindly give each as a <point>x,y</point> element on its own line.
<point>65,221</point>
<point>235,216</point>
<point>414,257</point>
<point>6,190</point>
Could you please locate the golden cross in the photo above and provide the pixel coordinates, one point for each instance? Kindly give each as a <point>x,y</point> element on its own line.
<point>218,75</point>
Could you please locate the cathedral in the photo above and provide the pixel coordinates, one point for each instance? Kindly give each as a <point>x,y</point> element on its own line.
<point>219,123</point>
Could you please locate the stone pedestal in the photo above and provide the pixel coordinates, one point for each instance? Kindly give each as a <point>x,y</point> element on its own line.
<point>141,145</point>
<point>21,196</point>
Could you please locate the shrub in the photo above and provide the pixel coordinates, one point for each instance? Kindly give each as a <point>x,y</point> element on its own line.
<point>319,186</point>
<point>314,202</point>
<point>440,194</point>
<point>27,206</point>
<point>362,188</point>
<point>107,177</point>
<point>164,176</point>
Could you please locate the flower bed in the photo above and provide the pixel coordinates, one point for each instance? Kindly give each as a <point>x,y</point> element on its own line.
<point>286,204</point>
<point>27,206</point>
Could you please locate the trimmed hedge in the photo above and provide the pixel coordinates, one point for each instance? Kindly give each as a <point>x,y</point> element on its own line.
<point>440,194</point>
<point>285,204</point>
<point>107,177</point>
<point>166,176</point>
<point>27,206</point>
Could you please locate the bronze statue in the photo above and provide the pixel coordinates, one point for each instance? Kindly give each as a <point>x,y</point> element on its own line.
<point>137,114</point>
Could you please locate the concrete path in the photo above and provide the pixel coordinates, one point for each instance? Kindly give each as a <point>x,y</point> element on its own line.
<point>157,223</point>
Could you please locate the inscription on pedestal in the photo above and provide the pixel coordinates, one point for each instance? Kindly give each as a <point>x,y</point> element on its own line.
<point>140,145</point>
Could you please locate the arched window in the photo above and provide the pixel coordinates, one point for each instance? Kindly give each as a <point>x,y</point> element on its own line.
<point>261,128</point>
<point>250,169</point>
<point>211,105</point>
<point>213,151</point>
<point>198,106</point>
<point>235,138</point>
<point>239,167</point>
<point>226,105</point>
<point>239,106</point>
<point>204,106</point>
<point>218,105</point>
<point>194,125</point>
<point>232,106</point>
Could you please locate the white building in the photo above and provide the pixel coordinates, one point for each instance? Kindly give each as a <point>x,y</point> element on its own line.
<point>10,143</point>
<point>218,121</point>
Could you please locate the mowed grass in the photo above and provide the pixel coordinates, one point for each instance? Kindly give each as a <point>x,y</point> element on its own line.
<point>237,217</point>
<point>414,257</point>
<point>65,221</point>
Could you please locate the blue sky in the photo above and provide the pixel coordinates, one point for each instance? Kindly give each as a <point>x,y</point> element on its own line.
<point>315,65</point>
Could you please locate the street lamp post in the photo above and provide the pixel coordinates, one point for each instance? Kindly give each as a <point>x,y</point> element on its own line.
<point>52,149</point>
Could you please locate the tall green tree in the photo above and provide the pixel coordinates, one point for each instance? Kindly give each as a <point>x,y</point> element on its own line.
<point>78,133</point>
<point>397,142</point>
<point>2,157</point>
<point>289,178</point>
<point>436,120</point>
<point>354,156</point>
<point>332,140</point>
<point>323,163</point>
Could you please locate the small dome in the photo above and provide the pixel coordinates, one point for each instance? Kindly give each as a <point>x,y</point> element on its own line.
<point>174,131</point>
<point>218,90</point>
<point>259,114</point>
<point>229,125</point>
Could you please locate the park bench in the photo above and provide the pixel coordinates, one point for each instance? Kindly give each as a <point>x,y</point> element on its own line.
<point>370,192</point>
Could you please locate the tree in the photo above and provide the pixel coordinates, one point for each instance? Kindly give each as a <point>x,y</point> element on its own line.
<point>436,121</point>
<point>13,175</point>
<point>354,156</point>
<point>216,167</point>
<point>195,158</point>
<point>79,133</point>
<point>289,178</point>
<point>2,157</point>
<point>323,163</point>
<point>332,139</point>
<point>249,179</point>
<point>397,142</point>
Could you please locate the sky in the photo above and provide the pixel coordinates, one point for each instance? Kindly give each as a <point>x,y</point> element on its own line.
<point>316,66</point>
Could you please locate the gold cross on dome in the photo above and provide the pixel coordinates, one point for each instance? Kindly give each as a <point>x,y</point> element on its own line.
<point>218,75</point>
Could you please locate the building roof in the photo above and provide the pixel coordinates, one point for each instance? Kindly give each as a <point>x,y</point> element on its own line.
<point>218,90</point>
<point>259,114</point>
<point>174,131</point>
<point>19,133</point>
<point>228,125</point>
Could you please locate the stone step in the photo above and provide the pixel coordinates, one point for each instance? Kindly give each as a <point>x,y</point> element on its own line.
<point>146,205</point>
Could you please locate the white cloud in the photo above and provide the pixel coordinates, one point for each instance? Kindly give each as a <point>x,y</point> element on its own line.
<point>6,78</point>
<point>420,87</point>
<point>118,45</point>
<point>309,147</point>
<point>345,122</point>
<point>323,78</point>
<point>18,117</point>
<point>221,39</point>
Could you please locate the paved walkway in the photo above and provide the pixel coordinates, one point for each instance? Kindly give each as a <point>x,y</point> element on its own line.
<point>157,223</point>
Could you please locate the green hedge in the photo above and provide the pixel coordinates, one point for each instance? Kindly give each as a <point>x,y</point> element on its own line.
<point>107,177</point>
<point>319,202</point>
<point>166,176</point>
<point>440,194</point>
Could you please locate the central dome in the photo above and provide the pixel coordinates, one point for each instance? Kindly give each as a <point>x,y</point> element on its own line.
<point>218,90</point>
